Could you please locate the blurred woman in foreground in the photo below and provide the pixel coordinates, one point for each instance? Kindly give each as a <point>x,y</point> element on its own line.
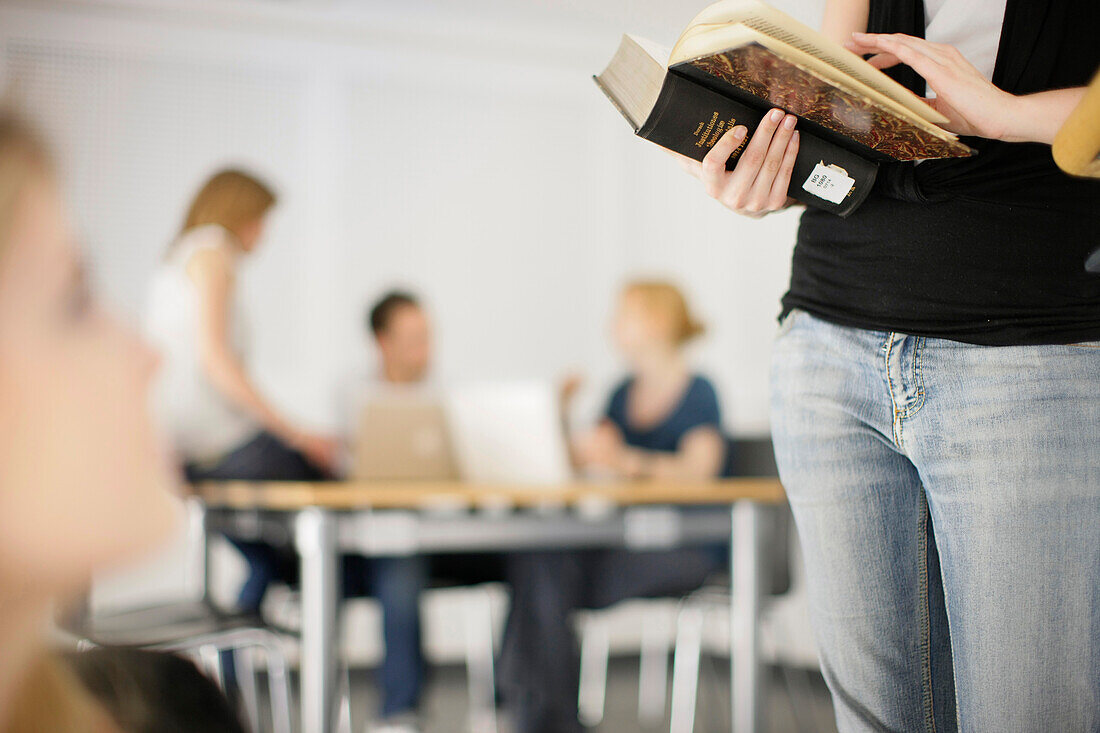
<point>83,483</point>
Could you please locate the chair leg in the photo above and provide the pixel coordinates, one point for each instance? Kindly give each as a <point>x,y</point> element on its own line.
<point>211,663</point>
<point>242,642</point>
<point>652,674</point>
<point>685,667</point>
<point>480,651</point>
<point>278,686</point>
<point>595,653</point>
<point>246,684</point>
<point>343,715</point>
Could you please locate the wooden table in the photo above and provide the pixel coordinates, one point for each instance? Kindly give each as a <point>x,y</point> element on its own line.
<point>323,520</point>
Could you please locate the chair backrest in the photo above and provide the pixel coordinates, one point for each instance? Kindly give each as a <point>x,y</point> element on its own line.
<point>755,456</point>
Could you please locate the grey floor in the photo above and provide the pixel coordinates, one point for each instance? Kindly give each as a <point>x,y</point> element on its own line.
<point>798,701</point>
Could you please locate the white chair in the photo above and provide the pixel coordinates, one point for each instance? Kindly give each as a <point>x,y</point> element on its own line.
<point>196,628</point>
<point>754,456</point>
<point>785,639</point>
<point>195,631</point>
<point>479,648</point>
<point>594,629</point>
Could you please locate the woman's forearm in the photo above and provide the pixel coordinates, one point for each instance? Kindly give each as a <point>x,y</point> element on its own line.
<point>229,377</point>
<point>699,458</point>
<point>688,468</point>
<point>1038,117</point>
<point>842,18</point>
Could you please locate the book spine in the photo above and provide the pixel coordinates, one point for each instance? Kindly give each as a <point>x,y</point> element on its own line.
<point>690,118</point>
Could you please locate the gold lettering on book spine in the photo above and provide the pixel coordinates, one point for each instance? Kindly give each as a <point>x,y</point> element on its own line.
<point>702,141</point>
<point>758,71</point>
<point>710,130</point>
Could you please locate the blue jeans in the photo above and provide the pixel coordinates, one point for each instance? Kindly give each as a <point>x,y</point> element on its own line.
<point>948,500</point>
<point>394,582</point>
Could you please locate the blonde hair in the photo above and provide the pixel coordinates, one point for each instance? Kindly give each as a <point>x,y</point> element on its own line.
<point>230,198</point>
<point>23,158</point>
<point>666,303</point>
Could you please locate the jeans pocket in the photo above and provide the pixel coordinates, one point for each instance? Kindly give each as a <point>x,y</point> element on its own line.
<point>1086,345</point>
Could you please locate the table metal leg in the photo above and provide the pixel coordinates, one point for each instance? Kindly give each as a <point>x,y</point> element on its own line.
<point>315,537</point>
<point>746,673</point>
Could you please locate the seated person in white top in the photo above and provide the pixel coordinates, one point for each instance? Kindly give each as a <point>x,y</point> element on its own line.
<point>220,423</point>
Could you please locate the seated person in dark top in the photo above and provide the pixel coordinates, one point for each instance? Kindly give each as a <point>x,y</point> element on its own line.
<point>662,421</point>
<point>697,409</point>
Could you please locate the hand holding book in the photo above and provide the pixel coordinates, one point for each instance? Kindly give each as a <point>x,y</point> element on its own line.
<point>737,60</point>
<point>758,183</point>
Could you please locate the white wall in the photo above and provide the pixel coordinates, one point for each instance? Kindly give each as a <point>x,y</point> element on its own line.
<point>458,148</point>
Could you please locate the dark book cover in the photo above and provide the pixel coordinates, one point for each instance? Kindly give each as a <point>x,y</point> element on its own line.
<point>688,118</point>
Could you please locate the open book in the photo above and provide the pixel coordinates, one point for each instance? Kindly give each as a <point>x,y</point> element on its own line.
<point>739,58</point>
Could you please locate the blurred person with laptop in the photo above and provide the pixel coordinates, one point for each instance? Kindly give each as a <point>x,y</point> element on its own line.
<point>398,430</point>
<point>379,412</point>
<point>662,421</point>
<point>393,416</point>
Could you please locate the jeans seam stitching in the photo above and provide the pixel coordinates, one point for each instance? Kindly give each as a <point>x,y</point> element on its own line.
<point>925,621</point>
<point>918,374</point>
<point>896,422</point>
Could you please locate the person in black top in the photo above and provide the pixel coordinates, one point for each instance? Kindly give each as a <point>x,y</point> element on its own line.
<point>936,381</point>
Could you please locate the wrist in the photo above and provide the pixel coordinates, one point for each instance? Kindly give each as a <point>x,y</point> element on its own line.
<point>634,463</point>
<point>1026,121</point>
<point>1015,119</point>
<point>288,434</point>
